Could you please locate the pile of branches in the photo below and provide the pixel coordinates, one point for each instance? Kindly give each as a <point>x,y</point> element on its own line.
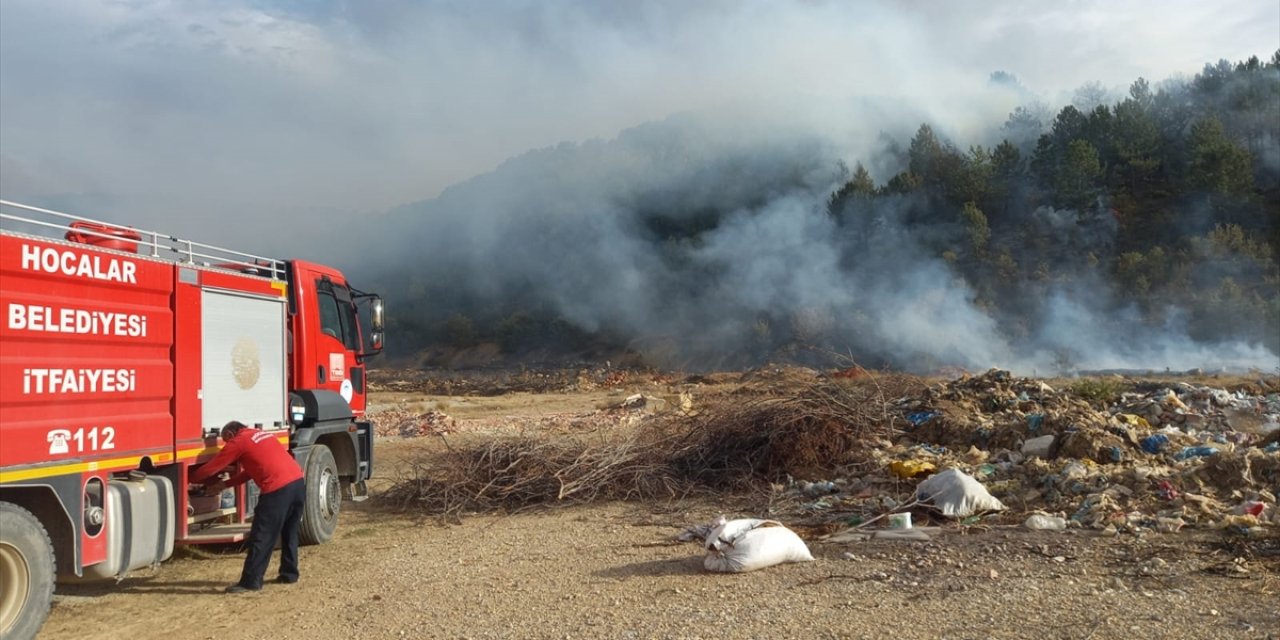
<point>756,434</point>
<point>810,432</point>
<point>521,471</point>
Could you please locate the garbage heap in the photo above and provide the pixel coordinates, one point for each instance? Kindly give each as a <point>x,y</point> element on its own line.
<point>1181,456</point>
<point>409,423</point>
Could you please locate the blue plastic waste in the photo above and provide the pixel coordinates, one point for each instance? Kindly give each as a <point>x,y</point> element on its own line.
<point>1194,452</point>
<point>917,419</point>
<point>930,448</point>
<point>1155,443</point>
<point>1035,421</point>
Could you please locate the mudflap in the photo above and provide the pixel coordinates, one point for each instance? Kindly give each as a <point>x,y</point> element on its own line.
<point>358,491</point>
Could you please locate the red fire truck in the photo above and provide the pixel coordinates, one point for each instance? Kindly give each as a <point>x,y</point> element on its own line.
<point>122,353</point>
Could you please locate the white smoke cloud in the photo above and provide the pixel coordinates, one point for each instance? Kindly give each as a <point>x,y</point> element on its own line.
<point>294,118</point>
<point>705,240</point>
<point>279,126</point>
<point>1080,336</point>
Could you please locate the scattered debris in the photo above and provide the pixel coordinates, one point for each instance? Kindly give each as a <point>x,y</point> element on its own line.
<point>911,468</point>
<point>1160,459</point>
<point>1038,447</point>
<point>410,424</point>
<point>851,449</point>
<point>1041,522</point>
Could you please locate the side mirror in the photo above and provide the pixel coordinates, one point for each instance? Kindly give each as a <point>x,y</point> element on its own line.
<point>376,314</point>
<point>377,321</point>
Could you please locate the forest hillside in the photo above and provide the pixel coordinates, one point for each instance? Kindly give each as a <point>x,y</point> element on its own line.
<point>1137,230</point>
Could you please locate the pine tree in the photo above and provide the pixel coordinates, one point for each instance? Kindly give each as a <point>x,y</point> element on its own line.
<point>1076,180</point>
<point>1217,164</point>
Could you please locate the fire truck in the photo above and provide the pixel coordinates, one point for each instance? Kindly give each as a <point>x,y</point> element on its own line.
<point>122,354</point>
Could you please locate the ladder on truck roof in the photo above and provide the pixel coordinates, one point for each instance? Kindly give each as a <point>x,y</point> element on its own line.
<point>41,223</point>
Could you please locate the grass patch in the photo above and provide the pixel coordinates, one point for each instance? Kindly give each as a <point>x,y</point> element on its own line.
<point>1099,392</point>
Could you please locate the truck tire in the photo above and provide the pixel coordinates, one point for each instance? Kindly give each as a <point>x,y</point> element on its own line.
<point>324,497</point>
<point>26,573</point>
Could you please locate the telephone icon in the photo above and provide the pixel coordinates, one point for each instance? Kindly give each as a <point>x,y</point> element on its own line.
<point>58,441</point>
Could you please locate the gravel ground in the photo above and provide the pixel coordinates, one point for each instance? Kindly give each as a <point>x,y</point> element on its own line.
<point>614,571</point>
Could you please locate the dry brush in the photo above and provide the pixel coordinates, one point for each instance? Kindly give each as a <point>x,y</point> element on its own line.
<point>765,430</point>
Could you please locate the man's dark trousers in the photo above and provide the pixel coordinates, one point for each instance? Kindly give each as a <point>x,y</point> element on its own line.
<point>277,517</point>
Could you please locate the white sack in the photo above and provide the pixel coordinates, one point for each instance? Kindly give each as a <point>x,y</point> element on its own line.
<point>749,544</point>
<point>956,494</point>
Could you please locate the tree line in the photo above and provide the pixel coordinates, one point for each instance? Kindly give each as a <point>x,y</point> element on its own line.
<point>1176,188</point>
<point>1159,209</point>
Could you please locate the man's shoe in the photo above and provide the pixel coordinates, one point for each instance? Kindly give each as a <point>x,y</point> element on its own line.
<point>284,580</point>
<point>239,588</point>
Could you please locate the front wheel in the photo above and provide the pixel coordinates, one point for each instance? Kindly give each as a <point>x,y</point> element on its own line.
<point>26,573</point>
<point>324,497</point>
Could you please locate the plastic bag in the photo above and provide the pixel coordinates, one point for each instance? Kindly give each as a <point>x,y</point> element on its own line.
<point>749,544</point>
<point>911,468</point>
<point>957,495</point>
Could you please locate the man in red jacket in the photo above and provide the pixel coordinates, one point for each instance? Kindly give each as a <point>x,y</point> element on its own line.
<point>279,512</point>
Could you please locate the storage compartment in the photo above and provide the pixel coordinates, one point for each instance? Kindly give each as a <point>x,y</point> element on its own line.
<point>203,504</point>
<point>105,236</point>
<point>139,526</point>
<point>243,358</point>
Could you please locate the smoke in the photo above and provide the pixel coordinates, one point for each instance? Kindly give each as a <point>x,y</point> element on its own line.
<point>294,119</point>
<point>1077,335</point>
<point>704,240</point>
<point>288,128</point>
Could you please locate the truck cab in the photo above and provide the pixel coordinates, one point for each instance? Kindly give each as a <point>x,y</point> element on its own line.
<point>122,354</point>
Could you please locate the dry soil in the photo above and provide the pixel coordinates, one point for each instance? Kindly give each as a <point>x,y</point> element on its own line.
<point>615,571</point>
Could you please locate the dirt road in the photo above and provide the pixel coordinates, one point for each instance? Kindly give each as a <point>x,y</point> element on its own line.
<point>614,571</point>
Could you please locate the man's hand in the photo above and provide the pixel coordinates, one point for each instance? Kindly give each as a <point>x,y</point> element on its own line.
<point>215,487</point>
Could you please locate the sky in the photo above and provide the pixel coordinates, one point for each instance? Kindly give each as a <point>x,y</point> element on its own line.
<point>266,124</point>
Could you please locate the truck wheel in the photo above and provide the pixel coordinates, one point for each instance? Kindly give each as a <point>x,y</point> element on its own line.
<point>324,497</point>
<point>26,573</point>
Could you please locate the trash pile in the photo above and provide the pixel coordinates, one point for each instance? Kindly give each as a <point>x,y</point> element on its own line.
<point>409,424</point>
<point>1182,456</point>
<point>1110,455</point>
